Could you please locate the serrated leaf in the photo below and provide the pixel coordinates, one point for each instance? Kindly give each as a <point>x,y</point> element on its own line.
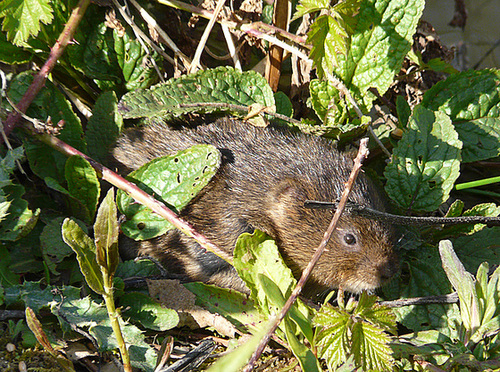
<point>477,121</point>
<point>175,180</point>
<point>50,102</point>
<point>8,165</point>
<point>310,6</point>
<point>23,18</point>
<point>83,183</point>
<point>484,209</point>
<point>219,85</point>
<point>142,308</point>
<point>85,251</point>
<point>332,339</point>
<point>103,127</point>
<point>370,347</point>
<point>425,163</point>
<point>379,42</point>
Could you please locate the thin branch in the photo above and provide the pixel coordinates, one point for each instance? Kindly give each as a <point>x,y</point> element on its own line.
<point>362,154</point>
<point>365,211</point>
<point>55,53</point>
<point>451,298</point>
<point>231,47</point>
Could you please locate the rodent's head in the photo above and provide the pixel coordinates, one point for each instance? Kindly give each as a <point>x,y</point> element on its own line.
<point>360,254</point>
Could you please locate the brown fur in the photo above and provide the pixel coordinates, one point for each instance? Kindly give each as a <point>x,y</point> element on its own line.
<point>265,177</point>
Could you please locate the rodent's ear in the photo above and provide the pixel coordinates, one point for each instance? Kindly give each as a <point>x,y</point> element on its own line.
<point>287,190</point>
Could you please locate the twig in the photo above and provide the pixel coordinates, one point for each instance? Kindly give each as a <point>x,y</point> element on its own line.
<point>362,154</point>
<point>55,53</point>
<point>365,211</point>
<point>451,298</point>
<point>241,108</point>
<point>231,47</point>
<point>132,190</point>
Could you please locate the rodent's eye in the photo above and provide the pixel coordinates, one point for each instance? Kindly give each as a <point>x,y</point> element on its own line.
<point>350,239</point>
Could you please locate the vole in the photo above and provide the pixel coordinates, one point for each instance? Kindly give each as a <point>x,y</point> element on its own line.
<point>264,179</point>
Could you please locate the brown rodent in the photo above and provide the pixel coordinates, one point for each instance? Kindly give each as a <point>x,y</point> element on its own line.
<point>265,177</point>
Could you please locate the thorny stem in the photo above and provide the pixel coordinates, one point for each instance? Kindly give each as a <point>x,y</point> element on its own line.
<point>135,192</point>
<point>55,53</point>
<point>362,154</point>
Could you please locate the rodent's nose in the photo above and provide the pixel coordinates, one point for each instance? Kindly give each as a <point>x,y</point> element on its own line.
<point>387,271</point>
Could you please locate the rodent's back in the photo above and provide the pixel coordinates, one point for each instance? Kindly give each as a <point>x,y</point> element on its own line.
<point>265,177</point>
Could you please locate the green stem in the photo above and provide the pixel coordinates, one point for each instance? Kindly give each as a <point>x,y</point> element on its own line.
<point>485,181</point>
<point>114,318</point>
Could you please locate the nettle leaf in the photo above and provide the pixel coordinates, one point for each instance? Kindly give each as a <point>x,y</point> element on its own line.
<point>103,127</point>
<point>472,100</point>
<point>370,347</point>
<point>8,165</point>
<point>83,183</point>
<point>85,251</point>
<point>380,40</point>
<point>174,180</point>
<point>310,6</point>
<point>106,234</point>
<point>50,102</point>
<point>334,114</point>
<point>219,85</point>
<point>484,209</point>
<point>425,163</point>
<point>22,18</point>
<point>332,339</point>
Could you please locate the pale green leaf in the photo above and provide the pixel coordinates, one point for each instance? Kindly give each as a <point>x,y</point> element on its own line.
<point>22,18</point>
<point>142,308</point>
<point>85,251</point>
<point>106,234</point>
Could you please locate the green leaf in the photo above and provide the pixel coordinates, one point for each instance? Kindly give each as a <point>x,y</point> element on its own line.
<point>484,209</point>
<point>148,312</point>
<point>106,234</point>
<point>54,250</point>
<point>477,121</point>
<point>83,183</point>
<point>85,251</point>
<point>19,220</point>
<point>133,60</point>
<point>235,360</point>
<point>23,18</point>
<point>175,180</point>
<point>370,347</point>
<point>256,255</point>
<point>305,356</point>
<point>283,104</point>
<point>7,277</point>
<point>8,165</point>
<point>232,305</point>
<point>425,163</point>
<point>380,40</point>
<point>103,127</point>
<point>50,102</point>
<point>463,282</point>
<point>140,268</point>
<point>332,339</point>
<point>404,111</point>
<point>310,6</point>
<point>11,54</point>
<point>219,85</point>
